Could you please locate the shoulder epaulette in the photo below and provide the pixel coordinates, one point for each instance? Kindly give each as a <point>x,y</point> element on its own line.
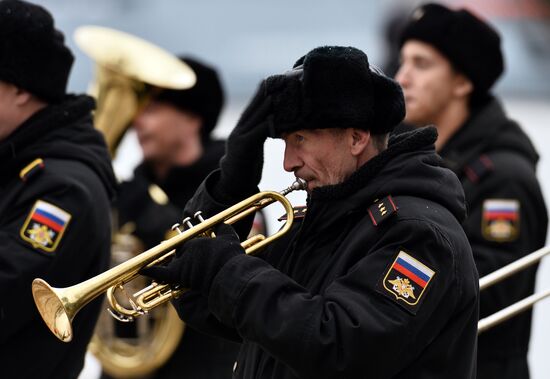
<point>31,169</point>
<point>477,169</point>
<point>299,212</point>
<point>382,209</point>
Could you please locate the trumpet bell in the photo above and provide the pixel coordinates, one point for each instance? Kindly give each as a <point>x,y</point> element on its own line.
<point>52,308</point>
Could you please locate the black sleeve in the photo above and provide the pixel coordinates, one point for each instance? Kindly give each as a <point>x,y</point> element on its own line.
<point>60,260</point>
<point>352,326</point>
<point>495,245</point>
<point>145,218</point>
<point>497,242</point>
<point>192,307</point>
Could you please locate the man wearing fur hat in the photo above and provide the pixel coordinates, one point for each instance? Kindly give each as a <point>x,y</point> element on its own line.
<point>449,62</point>
<point>376,279</point>
<point>56,183</point>
<point>174,130</point>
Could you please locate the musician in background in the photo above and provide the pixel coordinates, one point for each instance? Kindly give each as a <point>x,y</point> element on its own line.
<point>174,131</point>
<point>376,278</point>
<point>56,182</point>
<point>450,59</point>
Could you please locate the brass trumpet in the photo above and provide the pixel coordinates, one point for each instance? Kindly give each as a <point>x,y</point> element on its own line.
<point>58,306</point>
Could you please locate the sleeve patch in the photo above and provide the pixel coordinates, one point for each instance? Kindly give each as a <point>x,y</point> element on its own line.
<point>500,220</point>
<point>405,281</point>
<point>45,226</point>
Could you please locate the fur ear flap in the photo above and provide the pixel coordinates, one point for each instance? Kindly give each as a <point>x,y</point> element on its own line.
<point>388,102</point>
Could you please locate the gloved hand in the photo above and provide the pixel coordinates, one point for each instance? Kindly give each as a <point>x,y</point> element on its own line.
<point>199,260</point>
<point>241,166</point>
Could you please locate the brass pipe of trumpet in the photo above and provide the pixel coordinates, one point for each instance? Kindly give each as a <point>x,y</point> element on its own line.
<point>58,306</point>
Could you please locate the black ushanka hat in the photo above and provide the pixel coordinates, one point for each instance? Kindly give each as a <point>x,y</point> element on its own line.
<point>471,45</point>
<point>33,55</point>
<point>335,87</point>
<point>205,98</point>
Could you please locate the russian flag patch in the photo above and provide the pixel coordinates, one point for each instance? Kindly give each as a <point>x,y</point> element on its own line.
<point>45,225</point>
<point>406,281</point>
<point>500,220</point>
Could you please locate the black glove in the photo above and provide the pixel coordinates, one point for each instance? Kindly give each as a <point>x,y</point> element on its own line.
<point>242,164</point>
<point>199,260</point>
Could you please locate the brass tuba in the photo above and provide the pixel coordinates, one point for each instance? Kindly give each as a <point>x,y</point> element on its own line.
<point>127,71</point>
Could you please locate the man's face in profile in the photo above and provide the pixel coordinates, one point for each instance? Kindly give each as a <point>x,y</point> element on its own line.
<point>321,157</point>
<point>428,80</point>
<point>164,130</point>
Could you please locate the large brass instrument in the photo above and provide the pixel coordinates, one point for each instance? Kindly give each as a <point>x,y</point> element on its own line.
<point>503,273</point>
<point>127,71</point>
<point>58,306</point>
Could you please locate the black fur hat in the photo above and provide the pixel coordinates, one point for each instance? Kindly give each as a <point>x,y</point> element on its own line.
<point>471,45</point>
<point>205,98</point>
<point>33,54</point>
<point>335,87</point>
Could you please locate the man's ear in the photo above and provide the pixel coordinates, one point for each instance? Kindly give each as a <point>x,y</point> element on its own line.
<point>22,96</point>
<point>463,86</point>
<point>359,139</point>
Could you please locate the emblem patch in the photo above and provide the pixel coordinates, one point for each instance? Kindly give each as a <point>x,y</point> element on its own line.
<point>44,226</point>
<point>500,220</point>
<point>406,281</point>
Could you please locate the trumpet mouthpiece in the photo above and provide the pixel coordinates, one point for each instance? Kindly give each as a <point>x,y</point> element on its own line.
<point>298,185</point>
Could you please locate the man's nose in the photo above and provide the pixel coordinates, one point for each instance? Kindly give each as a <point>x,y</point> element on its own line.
<point>291,160</point>
<point>402,76</point>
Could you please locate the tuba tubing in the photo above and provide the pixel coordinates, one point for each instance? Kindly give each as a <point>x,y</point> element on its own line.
<point>58,306</point>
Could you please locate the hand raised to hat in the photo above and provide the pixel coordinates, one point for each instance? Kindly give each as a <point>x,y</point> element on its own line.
<point>242,164</point>
<point>199,260</point>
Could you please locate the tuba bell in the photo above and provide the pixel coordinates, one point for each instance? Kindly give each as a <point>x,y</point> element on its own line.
<point>127,72</point>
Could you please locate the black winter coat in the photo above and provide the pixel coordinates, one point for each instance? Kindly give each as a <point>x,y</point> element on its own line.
<point>495,161</point>
<point>198,355</point>
<point>332,300</point>
<point>54,224</point>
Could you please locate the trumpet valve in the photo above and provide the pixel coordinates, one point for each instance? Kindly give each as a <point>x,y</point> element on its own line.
<point>187,222</point>
<point>176,228</point>
<point>198,216</point>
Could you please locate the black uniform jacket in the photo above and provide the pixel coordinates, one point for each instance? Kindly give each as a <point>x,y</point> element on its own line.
<point>54,224</point>
<point>150,218</point>
<point>495,162</point>
<point>198,355</point>
<point>365,286</point>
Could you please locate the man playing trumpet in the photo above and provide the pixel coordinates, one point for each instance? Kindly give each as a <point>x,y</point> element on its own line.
<point>376,279</point>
